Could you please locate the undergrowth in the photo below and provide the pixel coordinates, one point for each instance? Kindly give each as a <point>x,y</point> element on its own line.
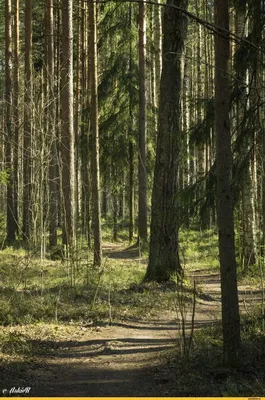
<point>204,374</point>
<point>44,301</point>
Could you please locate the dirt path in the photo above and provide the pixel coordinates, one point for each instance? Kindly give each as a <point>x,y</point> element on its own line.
<point>110,361</point>
<point>124,359</point>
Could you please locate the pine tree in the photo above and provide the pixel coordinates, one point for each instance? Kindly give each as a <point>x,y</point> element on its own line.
<point>93,63</point>
<point>67,128</point>
<point>225,218</point>
<point>164,242</point>
<point>28,129</point>
<point>142,218</point>
<point>11,223</point>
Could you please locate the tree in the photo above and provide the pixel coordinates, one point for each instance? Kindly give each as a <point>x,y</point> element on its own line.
<point>11,217</point>
<point>28,130</point>
<point>84,130</point>
<point>53,206</point>
<point>93,63</point>
<point>164,242</point>
<point>131,136</point>
<point>225,219</point>
<point>67,127</point>
<point>142,218</point>
<point>16,109</point>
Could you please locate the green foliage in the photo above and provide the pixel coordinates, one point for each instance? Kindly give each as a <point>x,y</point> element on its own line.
<point>4,177</point>
<point>199,249</point>
<point>204,375</point>
<point>201,132</point>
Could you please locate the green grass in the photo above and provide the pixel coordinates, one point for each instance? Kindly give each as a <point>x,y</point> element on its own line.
<point>199,250</point>
<point>44,301</point>
<point>203,373</point>
<point>35,290</point>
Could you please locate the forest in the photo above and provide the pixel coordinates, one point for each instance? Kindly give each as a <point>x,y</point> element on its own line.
<point>132,198</point>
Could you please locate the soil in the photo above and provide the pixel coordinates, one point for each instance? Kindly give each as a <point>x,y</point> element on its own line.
<point>130,358</point>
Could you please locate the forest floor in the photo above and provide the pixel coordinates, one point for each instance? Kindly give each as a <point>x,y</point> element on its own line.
<point>135,356</point>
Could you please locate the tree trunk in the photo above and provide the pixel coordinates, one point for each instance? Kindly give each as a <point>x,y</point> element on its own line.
<point>27,148</point>
<point>230,309</point>
<point>131,190</point>
<point>11,223</point>
<point>67,130</point>
<point>164,246</point>
<point>248,192</point>
<point>53,166</point>
<point>158,47</point>
<point>142,218</point>
<point>84,136</point>
<point>93,62</point>
<point>131,140</point>
<point>186,127</point>
<point>16,111</point>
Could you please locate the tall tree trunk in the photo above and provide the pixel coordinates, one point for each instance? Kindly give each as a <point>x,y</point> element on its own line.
<point>16,110</point>
<point>67,129</point>
<point>11,223</point>
<point>158,47</point>
<point>230,309</point>
<point>93,62</point>
<point>28,122</point>
<point>131,139</point>
<point>248,192</point>
<point>164,246</point>
<point>142,218</point>
<point>84,136</point>
<point>131,190</point>
<point>53,165</point>
<point>77,112</point>
<point>186,127</point>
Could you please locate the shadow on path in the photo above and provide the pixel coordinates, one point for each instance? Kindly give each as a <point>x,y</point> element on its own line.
<point>125,358</point>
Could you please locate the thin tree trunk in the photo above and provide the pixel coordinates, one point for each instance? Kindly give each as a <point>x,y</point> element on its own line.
<point>16,111</point>
<point>230,308</point>
<point>186,127</point>
<point>131,191</point>
<point>84,137</point>
<point>11,223</point>
<point>77,105</point>
<point>115,216</point>
<point>67,134</point>
<point>158,47</point>
<point>53,165</point>
<point>93,62</point>
<point>131,144</point>
<point>142,218</point>
<point>28,121</point>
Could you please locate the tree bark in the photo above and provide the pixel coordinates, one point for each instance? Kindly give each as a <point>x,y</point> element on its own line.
<point>16,111</point>
<point>11,223</point>
<point>164,245</point>
<point>53,165</point>
<point>131,139</point>
<point>93,63</point>
<point>225,219</point>
<point>67,127</point>
<point>142,218</point>
<point>158,47</point>
<point>27,147</point>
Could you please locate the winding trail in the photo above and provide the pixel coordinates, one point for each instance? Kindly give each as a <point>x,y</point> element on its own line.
<point>124,359</point>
